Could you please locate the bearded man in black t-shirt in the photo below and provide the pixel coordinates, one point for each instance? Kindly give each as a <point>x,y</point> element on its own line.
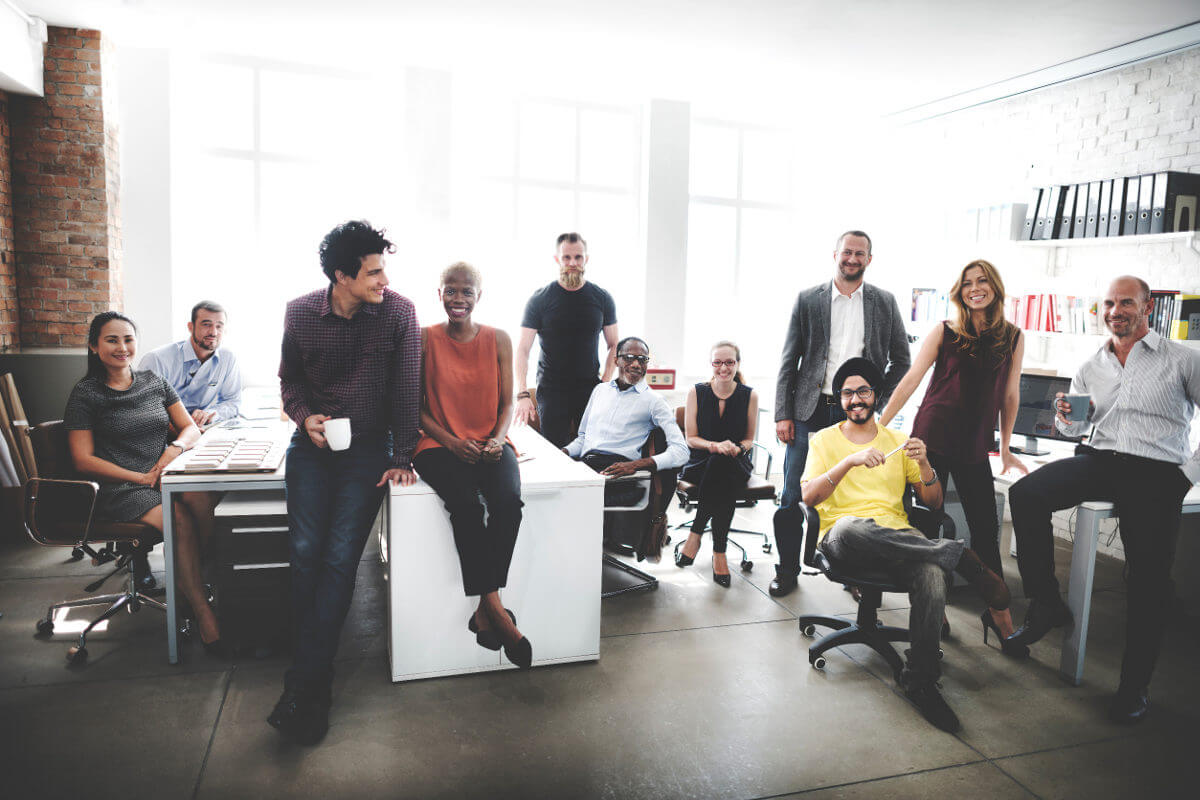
<point>569,315</point>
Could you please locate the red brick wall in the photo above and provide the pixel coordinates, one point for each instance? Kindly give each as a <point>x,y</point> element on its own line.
<point>66,229</point>
<point>8,274</point>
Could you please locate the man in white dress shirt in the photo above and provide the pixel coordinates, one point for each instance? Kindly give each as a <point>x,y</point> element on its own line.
<point>831,323</point>
<point>1144,390</point>
<point>619,417</point>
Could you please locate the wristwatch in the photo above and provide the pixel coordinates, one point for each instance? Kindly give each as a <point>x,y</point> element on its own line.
<point>931,481</point>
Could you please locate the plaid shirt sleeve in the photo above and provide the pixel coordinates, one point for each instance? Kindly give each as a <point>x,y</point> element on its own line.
<point>291,374</point>
<point>405,389</point>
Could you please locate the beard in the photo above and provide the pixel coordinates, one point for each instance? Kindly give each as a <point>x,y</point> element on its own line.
<point>868,407</point>
<point>570,279</point>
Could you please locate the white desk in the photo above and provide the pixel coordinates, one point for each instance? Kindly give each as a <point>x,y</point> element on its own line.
<point>553,583</point>
<point>1083,562</point>
<point>221,482</point>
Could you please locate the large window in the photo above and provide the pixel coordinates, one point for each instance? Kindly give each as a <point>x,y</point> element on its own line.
<point>267,158</point>
<point>739,242</point>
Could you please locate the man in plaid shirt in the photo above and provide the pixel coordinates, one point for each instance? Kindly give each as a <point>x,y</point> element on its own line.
<point>351,349</point>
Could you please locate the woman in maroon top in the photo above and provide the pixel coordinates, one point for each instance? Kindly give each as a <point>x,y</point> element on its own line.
<point>976,360</point>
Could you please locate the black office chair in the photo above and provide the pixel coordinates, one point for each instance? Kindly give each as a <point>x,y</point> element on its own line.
<point>628,535</point>
<point>757,490</point>
<point>58,512</point>
<point>867,628</point>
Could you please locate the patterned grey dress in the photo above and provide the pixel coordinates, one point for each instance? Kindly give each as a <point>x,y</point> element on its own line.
<point>130,428</point>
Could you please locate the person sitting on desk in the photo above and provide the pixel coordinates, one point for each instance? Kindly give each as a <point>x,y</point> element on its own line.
<point>119,424</point>
<point>720,418</point>
<point>855,477</point>
<point>1143,392</point>
<point>619,417</point>
<point>464,456</point>
<point>205,376</point>
<point>976,360</point>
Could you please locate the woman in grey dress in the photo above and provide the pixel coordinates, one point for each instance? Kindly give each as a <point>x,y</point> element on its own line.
<point>119,427</point>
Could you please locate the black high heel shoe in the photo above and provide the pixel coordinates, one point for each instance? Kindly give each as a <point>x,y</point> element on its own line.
<point>520,654</point>
<point>1013,649</point>
<point>722,580</point>
<point>681,560</point>
<point>487,638</point>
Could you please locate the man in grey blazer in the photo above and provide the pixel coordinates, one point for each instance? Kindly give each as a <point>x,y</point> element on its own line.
<point>831,322</point>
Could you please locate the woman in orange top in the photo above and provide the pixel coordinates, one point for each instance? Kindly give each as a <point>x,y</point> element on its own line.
<point>463,454</point>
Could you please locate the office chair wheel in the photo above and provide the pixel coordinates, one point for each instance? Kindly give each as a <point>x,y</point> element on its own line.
<point>809,630</point>
<point>747,566</point>
<point>767,548</point>
<point>77,655</point>
<point>941,654</point>
<point>45,627</point>
<point>76,553</point>
<point>819,663</point>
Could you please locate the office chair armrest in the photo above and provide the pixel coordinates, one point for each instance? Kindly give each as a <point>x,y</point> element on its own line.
<point>59,512</point>
<point>642,476</point>
<point>767,450</point>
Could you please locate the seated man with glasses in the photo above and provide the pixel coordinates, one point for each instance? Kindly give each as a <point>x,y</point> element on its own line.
<point>620,416</point>
<point>855,477</point>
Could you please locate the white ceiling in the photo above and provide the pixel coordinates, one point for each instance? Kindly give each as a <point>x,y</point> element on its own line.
<point>866,56</point>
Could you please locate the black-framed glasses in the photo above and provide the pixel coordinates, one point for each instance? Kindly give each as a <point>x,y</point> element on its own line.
<point>630,358</point>
<point>863,392</point>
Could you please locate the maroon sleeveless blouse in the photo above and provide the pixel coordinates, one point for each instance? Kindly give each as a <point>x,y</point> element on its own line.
<point>962,402</point>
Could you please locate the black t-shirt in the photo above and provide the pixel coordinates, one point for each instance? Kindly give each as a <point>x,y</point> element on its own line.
<point>569,324</point>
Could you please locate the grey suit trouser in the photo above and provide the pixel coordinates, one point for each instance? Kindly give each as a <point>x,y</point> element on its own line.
<point>920,565</point>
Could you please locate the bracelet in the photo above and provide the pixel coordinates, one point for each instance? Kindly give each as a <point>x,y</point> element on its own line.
<point>523,395</point>
<point>931,481</point>
<point>831,483</point>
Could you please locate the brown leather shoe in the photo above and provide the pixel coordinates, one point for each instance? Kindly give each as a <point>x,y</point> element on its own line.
<point>991,587</point>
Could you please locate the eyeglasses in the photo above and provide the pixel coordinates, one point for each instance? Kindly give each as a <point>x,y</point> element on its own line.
<point>629,358</point>
<point>729,362</point>
<point>863,392</point>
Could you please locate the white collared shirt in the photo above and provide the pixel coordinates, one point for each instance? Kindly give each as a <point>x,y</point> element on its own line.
<point>847,331</point>
<point>1144,408</point>
<point>619,421</point>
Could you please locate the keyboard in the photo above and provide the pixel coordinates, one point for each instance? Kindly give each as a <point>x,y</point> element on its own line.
<point>231,455</point>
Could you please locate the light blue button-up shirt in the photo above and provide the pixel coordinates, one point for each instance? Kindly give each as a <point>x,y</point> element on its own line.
<point>619,421</point>
<point>215,385</point>
<point>1145,407</point>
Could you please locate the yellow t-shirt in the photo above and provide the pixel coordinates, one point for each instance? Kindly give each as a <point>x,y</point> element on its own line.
<point>869,493</point>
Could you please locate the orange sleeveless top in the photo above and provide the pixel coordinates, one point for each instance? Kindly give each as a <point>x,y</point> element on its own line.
<point>462,384</point>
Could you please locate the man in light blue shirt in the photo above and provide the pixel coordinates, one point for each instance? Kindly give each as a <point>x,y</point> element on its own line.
<point>207,378</point>
<point>620,415</point>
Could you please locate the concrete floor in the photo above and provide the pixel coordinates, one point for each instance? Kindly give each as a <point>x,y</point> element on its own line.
<point>700,692</point>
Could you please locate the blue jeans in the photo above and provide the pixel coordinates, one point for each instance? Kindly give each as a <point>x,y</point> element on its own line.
<point>332,501</point>
<point>796,454</point>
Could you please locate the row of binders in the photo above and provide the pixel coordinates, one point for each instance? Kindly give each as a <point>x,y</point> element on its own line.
<point>1162,202</point>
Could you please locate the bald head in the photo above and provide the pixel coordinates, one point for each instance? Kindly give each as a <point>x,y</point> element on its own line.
<point>1127,307</point>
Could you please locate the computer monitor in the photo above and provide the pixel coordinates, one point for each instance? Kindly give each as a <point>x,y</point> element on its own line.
<point>1035,413</point>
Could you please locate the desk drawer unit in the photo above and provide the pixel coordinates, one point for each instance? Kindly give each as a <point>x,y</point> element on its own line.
<point>253,570</point>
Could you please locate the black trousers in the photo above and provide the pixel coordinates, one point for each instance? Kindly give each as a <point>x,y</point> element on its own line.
<point>560,410</point>
<point>484,548</point>
<point>1148,496</point>
<point>719,480</point>
<point>976,491</point>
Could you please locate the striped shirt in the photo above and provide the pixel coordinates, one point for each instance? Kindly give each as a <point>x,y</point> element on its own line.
<point>367,368</point>
<point>1144,408</point>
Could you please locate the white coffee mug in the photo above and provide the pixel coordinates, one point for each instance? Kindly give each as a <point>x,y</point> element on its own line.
<point>337,433</point>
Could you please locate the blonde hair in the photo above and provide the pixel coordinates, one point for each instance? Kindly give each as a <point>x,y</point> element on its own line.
<point>737,353</point>
<point>461,268</point>
<point>997,337</point>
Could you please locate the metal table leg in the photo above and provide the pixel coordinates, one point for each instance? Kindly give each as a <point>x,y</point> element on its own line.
<point>1079,592</point>
<point>168,507</point>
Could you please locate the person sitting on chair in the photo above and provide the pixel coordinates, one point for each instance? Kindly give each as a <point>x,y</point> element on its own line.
<point>119,424</point>
<point>463,453</point>
<point>856,477</point>
<point>619,417</point>
<point>720,419</point>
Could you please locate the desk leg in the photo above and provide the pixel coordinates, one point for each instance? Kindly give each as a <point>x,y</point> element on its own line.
<point>169,559</point>
<point>1079,593</point>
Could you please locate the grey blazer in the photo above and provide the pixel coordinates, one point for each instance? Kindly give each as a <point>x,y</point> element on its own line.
<point>806,349</point>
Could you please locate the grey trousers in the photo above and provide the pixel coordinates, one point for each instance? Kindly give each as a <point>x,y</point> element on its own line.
<point>920,565</point>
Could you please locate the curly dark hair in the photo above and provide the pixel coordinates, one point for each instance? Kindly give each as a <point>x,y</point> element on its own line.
<point>344,248</point>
